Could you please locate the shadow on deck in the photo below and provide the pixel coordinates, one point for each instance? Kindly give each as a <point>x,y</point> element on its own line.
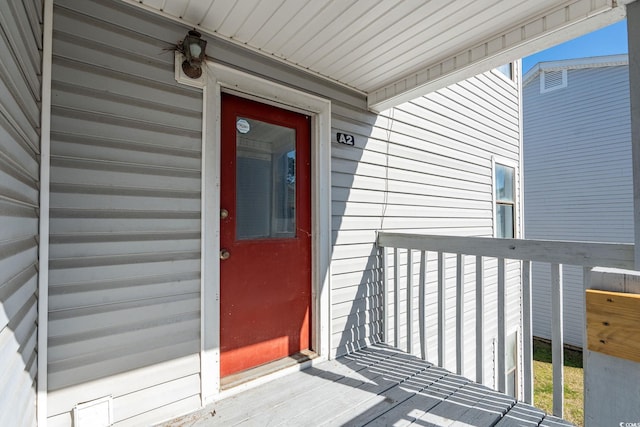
<point>378,386</point>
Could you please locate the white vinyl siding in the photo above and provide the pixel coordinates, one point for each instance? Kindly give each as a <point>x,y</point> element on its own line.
<point>425,167</point>
<point>125,217</point>
<point>578,177</point>
<point>124,280</point>
<point>20,92</point>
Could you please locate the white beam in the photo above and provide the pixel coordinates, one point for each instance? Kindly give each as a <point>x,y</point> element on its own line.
<point>612,255</point>
<point>633,34</point>
<point>557,25</point>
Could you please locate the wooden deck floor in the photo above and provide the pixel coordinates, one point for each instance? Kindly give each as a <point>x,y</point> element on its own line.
<point>377,386</point>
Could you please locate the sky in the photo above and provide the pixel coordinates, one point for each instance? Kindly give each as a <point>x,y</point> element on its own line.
<point>609,40</point>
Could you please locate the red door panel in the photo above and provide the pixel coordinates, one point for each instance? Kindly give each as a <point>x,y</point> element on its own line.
<point>266,280</point>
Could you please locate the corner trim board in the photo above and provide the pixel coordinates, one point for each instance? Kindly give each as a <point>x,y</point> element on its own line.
<point>43,249</point>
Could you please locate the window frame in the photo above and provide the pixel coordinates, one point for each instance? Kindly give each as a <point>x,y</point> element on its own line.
<point>514,165</point>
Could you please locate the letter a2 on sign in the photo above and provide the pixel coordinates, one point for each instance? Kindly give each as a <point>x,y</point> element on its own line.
<point>345,138</point>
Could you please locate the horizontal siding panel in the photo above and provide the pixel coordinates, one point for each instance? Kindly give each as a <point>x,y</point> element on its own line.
<point>156,397</point>
<point>123,175</point>
<point>24,110</point>
<point>90,125</point>
<point>578,177</point>
<point>424,166</point>
<point>22,44</point>
<point>121,270</point>
<point>116,291</point>
<point>100,344</point>
<point>174,347</point>
<point>114,150</point>
<point>20,71</point>
<point>356,264</point>
<point>358,195</point>
<point>125,216</point>
<point>145,377</point>
<point>140,200</point>
<point>17,147</point>
<point>402,210</point>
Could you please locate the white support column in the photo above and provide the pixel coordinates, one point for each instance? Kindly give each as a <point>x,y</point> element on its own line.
<point>633,34</point>
<point>557,340</point>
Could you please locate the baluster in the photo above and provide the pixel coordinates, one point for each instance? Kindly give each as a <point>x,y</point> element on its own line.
<point>460,313</point>
<point>557,347</point>
<point>385,295</point>
<point>527,338</point>
<point>421,301</point>
<point>479,319</point>
<point>441,307</point>
<point>502,379</point>
<point>409,303</point>
<point>396,296</point>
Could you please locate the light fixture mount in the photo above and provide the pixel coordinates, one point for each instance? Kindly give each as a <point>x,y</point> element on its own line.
<point>193,49</point>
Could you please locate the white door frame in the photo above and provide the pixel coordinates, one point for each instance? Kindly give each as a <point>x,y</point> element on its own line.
<point>216,79</point>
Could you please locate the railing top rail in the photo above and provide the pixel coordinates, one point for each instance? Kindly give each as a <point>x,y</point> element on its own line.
<point>587,254</point>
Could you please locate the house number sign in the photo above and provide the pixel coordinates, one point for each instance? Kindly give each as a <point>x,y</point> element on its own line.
<point>345,138</point>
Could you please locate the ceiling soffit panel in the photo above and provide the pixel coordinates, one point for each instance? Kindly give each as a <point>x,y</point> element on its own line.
<point>392,51</point>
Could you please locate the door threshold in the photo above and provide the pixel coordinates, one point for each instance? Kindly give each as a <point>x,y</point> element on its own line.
<point>251,374</point>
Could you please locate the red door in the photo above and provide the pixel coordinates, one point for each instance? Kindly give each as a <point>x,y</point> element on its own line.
<point>265,267</point>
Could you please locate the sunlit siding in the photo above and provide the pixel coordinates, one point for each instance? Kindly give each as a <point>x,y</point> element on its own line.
<point>423,167</point>
<point>578,177</point>
<point>125,220</point>
<point>20,91</point>
<point>124,281</point>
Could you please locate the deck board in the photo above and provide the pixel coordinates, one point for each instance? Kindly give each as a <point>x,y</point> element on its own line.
<point>376,386</point>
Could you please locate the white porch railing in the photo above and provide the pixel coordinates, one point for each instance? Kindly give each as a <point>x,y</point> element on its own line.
<point>555,253</point>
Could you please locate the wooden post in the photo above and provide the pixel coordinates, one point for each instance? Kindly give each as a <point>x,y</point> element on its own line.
<point>633,34</point>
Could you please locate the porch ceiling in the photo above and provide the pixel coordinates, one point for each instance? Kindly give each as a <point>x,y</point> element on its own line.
<point>393,51</point>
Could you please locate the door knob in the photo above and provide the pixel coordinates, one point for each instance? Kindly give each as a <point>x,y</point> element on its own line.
<point>224,254</point>
<point>224,214</point>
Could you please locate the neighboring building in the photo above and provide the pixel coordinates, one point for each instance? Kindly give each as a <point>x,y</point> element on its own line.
<point>577,169</point>
<point>161,235</point>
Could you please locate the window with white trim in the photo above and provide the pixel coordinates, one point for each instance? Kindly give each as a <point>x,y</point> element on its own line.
<point>505,200</point>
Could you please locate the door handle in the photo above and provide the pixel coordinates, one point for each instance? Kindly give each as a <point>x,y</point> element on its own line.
<point>224,214</point>
<point>224,254</point>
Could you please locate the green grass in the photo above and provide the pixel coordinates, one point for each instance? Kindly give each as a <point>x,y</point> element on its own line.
<point>573,381</point>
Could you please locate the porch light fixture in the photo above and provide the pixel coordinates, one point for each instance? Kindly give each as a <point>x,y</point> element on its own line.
<point>193,48</point>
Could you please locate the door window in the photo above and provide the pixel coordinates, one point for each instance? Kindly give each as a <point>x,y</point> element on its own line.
<point>265,180</point>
